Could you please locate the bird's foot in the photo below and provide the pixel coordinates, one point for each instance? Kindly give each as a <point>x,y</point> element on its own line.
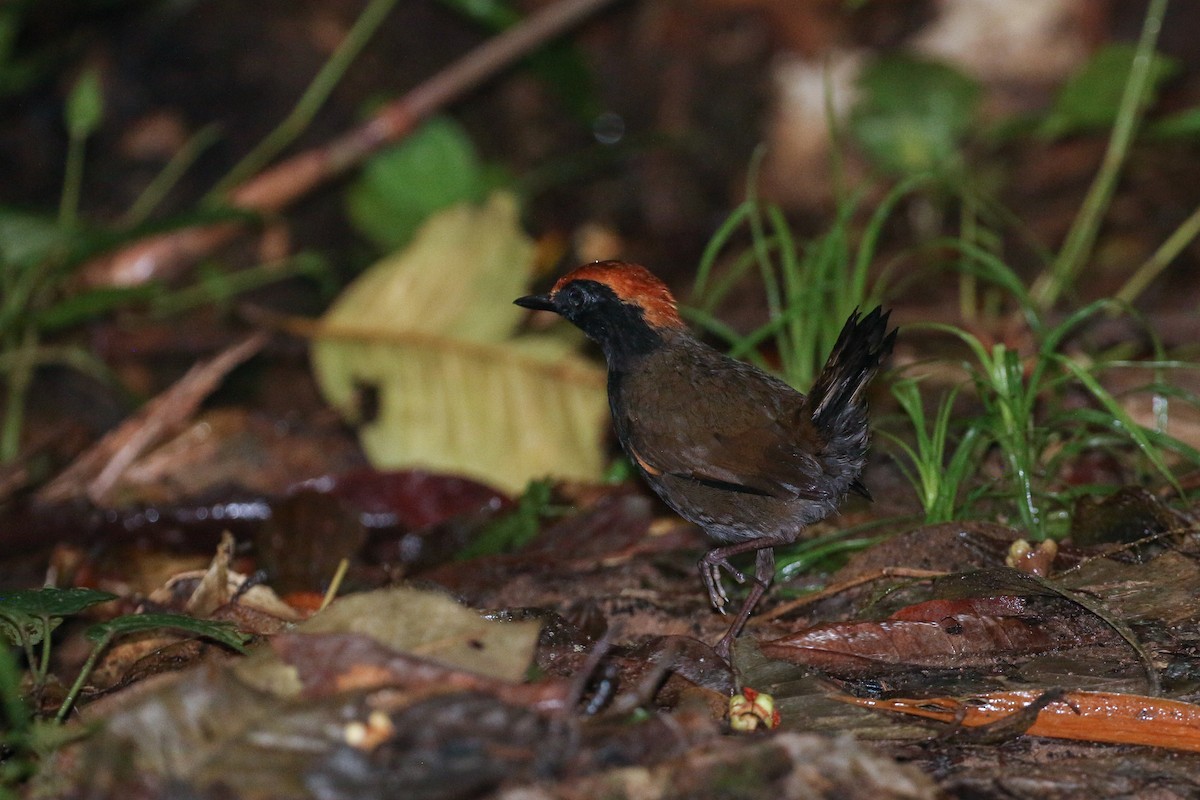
<point>710,573</point>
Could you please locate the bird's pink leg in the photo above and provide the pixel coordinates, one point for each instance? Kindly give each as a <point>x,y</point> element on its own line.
<point>764,572</point>
<point>710,572</point>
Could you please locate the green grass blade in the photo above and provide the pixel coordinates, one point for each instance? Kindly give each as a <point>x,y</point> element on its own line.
<point>1136,433</point>
<point>1081,238</point>
<point>718,242</point>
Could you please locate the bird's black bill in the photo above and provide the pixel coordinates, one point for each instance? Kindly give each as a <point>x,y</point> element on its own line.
<point>538,302</point>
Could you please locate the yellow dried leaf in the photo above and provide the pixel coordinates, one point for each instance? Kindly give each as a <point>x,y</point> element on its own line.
<point>419,353</point>
<point>457,278</point>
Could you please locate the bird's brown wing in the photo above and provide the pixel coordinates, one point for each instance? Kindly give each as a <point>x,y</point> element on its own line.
<point>734,467</point>
<point>736,429</point>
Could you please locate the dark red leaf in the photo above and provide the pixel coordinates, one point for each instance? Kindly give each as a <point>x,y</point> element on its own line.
<point>409,499</point>
<point>945,634</point>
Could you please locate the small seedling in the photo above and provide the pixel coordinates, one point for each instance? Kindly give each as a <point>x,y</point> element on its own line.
<point>29,617</point>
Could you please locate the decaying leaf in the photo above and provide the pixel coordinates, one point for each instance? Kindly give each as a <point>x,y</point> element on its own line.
<point>419,622</point>
<point>785,765</point>
<point>1161,590</point>
<point>332,663</point>
<point>201,592</point>
<point>431,624</point>
<point>419,353</point>
<point>943,634</point>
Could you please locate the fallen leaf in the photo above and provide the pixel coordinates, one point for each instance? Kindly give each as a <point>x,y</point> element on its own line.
<point>419,353</point>
<point>796,765</point>
<point>1161,590</point>
<point>419,622</point>
<point>945,634</point>
<point>333,663</point>
<point>408,499</point>
<point>200,593</point>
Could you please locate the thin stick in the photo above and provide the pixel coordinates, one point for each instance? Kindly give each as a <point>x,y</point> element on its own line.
<point>97,469</point>
<point>157,190</point>
<point>273,190</point>
<point>334,585</point>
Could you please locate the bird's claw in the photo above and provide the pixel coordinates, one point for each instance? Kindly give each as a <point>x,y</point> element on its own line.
<point>710,573</point>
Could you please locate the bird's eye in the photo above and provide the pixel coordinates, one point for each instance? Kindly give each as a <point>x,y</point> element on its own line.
<point>573,297</point>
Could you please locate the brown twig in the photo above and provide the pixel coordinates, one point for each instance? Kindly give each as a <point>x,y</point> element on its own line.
<point>168,254</point>
<point>96,471</point>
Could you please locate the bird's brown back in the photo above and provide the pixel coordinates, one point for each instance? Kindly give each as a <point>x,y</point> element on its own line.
<point>726,445</point>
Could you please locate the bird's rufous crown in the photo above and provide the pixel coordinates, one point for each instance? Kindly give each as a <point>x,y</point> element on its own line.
<point>632,283</point>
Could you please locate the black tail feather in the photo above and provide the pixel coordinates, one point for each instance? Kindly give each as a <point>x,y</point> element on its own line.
<point>836,396</point>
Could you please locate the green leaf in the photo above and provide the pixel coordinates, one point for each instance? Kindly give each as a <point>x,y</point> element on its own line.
<point>495,14</point>
<point>14,716</point>
<point>21,67</point>
<point>1091,98</point>
<point>20,628</point>
<point>85,105</point>
<point>10,26</point>
<point>27,239</point>
<point>1181,125</point>
<point>224,632</point>
<point>913,114</point>
<point>1120,418</point>
<point>433,168</point>
<point>51,602</point>
<point>458,277</point>
<point>620,470</point>
<point>515,530</point>
<point>94,303</point>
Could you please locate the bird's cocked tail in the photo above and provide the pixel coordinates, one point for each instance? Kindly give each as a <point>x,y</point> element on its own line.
<point>835,400</point>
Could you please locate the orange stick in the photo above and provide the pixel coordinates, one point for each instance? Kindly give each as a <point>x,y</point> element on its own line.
<point>1107,717</point>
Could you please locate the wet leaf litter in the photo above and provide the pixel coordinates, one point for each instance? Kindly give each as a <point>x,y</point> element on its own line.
<point>349,587</point>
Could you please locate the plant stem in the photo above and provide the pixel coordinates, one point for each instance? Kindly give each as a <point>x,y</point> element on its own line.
<point>229,287</point>
<point>968,296</point>
<point>43,665</point>
<point>165,180</point>
<point>27,645</point>
<point>1082,237</point>
<point>82,677</point>
<point>76,358</point>
<point>311,101</point>
<point>1162,257</point>
<point>68,204</point>
<point>20,374</point>
<point>335,584</point>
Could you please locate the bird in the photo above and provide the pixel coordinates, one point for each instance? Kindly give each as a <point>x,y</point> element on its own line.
<point>750,460</point>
